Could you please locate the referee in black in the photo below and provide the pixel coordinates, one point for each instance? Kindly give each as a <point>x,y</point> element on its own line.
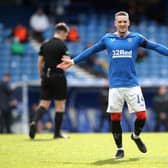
<point>53,80</point>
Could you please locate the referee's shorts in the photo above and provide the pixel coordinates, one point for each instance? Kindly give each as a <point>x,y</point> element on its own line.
<point>54,87</point>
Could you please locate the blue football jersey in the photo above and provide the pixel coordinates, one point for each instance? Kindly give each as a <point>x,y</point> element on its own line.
<point>122,52</point>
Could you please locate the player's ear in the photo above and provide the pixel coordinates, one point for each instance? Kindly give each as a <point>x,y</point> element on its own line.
<point>115,23</point>
<point>128,22</point>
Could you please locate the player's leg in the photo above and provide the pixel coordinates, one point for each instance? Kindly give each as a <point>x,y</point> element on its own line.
<point>117,133</point>
<point>60,109</point>
<point>45,100</point>
<point>138,127</point>
<point>139,122</point>
<point>157,125</point>
<point>8,121</point>
<point>59,85</point>
<point>43,107</point>
<point>115,105</point>
<point>136,103</point>
<point>1,121</point>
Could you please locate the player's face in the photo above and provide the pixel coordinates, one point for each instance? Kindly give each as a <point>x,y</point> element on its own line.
<point>122,24</point>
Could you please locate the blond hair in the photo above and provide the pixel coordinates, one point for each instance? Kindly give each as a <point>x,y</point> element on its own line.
<point>121,13</point>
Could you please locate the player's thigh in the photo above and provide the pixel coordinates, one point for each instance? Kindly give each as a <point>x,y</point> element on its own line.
<point>59,105</point>
<point>134,99</point>
<point>45,89</point>
<point>59,88</point>
<point>115,100</point>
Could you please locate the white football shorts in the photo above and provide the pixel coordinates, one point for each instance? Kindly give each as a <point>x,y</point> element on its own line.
<point>131,95</point>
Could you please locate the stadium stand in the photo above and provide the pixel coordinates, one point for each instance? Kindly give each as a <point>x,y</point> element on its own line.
<point>152,70</point>
<point>154,65</point>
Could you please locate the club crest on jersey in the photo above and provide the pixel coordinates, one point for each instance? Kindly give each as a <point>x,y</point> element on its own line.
<point>129,39</point>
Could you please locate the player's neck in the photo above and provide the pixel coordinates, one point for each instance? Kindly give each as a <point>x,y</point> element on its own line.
<point>58,36</point>
<point>120,34</point>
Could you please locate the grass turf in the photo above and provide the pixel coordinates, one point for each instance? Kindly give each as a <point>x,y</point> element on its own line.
<point>81,151</point>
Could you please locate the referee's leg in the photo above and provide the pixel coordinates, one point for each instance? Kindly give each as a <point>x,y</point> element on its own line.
<point>43,107</point>
<point>59,113</point>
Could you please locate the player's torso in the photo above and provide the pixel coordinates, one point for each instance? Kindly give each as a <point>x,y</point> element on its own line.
<point>122,47</point>
<point>53,51</point>
<point>122,53</point>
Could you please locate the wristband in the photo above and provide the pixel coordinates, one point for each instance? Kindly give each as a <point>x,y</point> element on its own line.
<point>72,61</point>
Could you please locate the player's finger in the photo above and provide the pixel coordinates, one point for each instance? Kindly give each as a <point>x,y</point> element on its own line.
<point>61,65</point>
<point>65,60</point>
<point>65,56</point>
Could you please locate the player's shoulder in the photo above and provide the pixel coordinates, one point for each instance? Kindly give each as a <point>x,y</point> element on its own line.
<point>135,34</point>
<point>109,35</point>
<point>45,42</point>
<point>52,41</point>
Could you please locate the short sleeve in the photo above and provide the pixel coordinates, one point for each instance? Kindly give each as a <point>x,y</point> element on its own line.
<point>66,51</point>
<point>41,51</point>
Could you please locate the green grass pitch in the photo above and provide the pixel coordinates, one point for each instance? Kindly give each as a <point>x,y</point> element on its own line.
<point>81,151</point>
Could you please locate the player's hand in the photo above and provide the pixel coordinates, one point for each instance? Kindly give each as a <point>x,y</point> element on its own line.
<point>66,63</point>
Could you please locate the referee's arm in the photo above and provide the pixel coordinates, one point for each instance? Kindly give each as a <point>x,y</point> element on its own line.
<point>40,65</point>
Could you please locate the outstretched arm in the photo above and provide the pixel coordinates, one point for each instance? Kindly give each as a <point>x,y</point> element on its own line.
<point>88,52</point>
<point>67,63</point>
<point>157,47</point>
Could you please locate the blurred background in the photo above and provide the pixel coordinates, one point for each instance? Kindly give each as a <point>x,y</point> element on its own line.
<point>24,24</point>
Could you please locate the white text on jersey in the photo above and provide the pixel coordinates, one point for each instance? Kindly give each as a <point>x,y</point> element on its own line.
<point>122,53</point>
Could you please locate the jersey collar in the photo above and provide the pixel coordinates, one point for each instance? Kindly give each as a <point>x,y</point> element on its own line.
<point>127,34</point>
